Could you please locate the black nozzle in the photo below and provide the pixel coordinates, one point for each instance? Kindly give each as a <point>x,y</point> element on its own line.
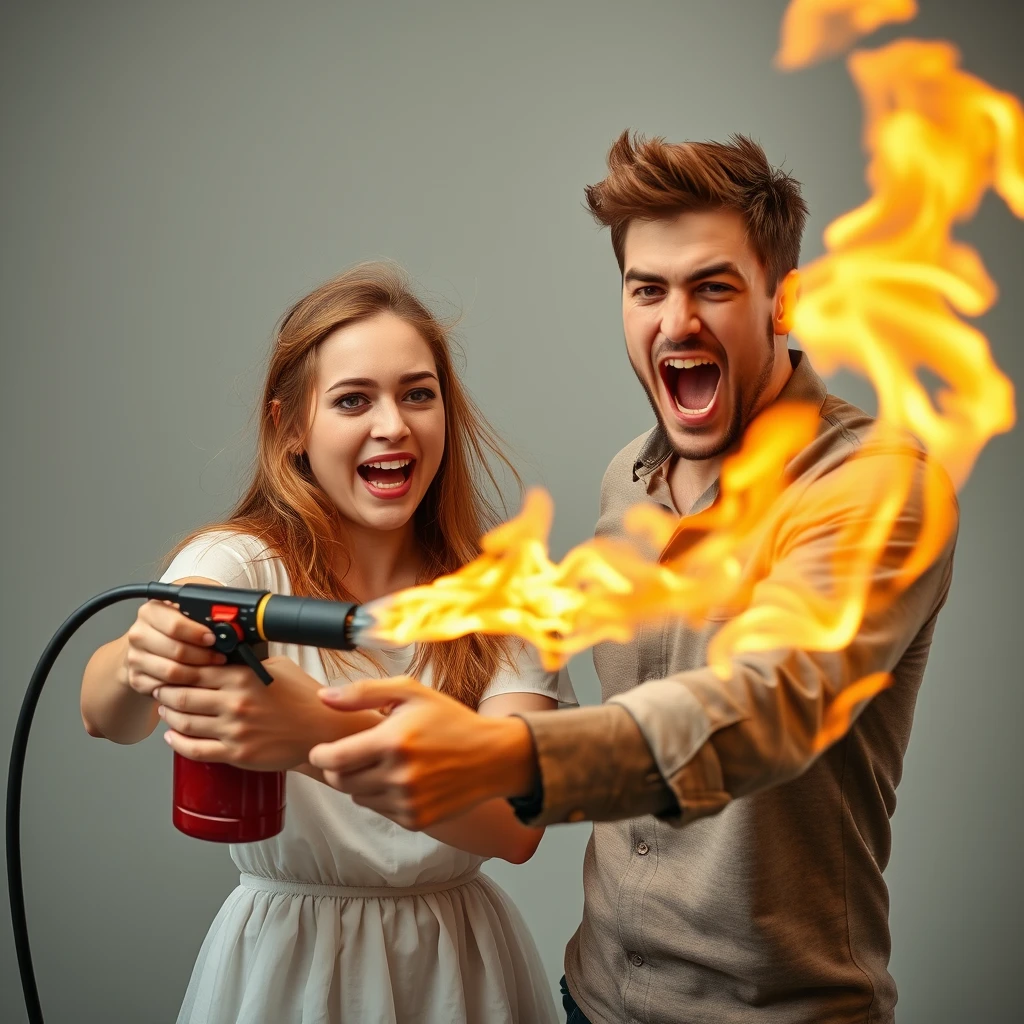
<point>310,621</point>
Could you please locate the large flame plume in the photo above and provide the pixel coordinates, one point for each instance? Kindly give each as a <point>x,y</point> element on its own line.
<point>813,30</point>
<point>882,301</point>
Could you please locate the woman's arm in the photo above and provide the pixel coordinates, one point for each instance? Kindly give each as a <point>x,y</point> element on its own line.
<point>161,646</point>
<point>491,829</point>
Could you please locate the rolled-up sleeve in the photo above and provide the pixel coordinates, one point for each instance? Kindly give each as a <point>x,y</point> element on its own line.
<point>707,740</point>
<point>594,765</point>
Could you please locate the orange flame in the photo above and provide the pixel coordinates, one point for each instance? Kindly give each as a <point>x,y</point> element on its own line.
<point>937,138</point>
<point>880,302</point>
<point>603,589</point>
<point>815,29</point>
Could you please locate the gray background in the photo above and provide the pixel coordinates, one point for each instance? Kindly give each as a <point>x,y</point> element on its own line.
<point>174,175</point>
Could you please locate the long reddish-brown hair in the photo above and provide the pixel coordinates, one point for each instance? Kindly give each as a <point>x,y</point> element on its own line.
<point>649,179</point>
<point>287,509</point>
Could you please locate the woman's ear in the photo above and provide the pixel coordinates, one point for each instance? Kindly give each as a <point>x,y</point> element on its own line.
<point>786,297</point>
<point>275,411</point>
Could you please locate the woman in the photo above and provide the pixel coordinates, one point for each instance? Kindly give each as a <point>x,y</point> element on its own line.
<point>368,479</point>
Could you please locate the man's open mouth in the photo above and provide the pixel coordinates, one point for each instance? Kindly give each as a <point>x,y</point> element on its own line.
<point>692,383</point>
<point>387,474</point>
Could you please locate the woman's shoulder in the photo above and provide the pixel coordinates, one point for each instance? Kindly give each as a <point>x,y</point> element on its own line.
<point>524,672</point>
<point>230,557</point>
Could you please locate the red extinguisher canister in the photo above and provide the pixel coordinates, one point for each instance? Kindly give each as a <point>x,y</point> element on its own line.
<point>219,802</point>
<point>225,804</point>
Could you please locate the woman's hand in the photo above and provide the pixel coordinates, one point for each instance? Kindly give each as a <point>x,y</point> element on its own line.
<point>166,647</point>
<point>228,715</point>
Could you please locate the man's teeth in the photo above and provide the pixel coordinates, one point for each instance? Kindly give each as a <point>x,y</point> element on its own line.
<point>687,364</point>
<point>394,464</point>
<point>693,412</point>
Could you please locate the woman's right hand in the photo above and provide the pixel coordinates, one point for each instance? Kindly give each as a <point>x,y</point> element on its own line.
<point>166,647</point>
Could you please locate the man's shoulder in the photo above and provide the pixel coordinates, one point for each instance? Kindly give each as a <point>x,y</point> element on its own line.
<point>852,450</point>
<point>845,431</point>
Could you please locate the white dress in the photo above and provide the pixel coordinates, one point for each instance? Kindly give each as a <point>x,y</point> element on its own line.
<point>346,916</point>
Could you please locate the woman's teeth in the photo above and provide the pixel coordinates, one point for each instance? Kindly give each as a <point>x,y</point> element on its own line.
<point>386,474</point>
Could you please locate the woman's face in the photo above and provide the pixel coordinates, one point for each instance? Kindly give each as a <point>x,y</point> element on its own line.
<point>377,432</point>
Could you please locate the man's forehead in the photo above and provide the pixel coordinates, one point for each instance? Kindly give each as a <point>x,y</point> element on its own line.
<point>676,246</point>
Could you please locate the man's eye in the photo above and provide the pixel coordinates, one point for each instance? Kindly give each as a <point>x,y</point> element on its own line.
<point>647,291</point>
<point>350,401</point>
<point>420,395</point>
<point>715,288</point>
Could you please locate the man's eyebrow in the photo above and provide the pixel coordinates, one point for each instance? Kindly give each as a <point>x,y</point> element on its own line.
<point>643,276</point>
<point>633,275</point>
<point>367,382</point>
<point>714,270</point>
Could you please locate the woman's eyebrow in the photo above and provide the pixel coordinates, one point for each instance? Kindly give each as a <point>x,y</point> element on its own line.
<point>367,382</point>
<point>353,382</point>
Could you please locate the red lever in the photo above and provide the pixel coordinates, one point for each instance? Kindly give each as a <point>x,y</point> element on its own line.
<point>227,613</point>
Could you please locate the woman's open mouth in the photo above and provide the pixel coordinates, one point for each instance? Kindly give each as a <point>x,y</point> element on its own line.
<point>692,385</point>
<point>389,476</point>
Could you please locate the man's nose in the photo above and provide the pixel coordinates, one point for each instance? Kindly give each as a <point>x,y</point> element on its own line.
<point>678,317</point>
<point>388,422</point>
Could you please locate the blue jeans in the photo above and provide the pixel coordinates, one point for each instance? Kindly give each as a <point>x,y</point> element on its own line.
<point>573,1014</point>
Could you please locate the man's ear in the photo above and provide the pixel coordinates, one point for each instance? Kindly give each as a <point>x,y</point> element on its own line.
<point>786,297</point>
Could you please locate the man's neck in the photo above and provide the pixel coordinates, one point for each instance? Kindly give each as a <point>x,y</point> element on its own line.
<point>688,479</point>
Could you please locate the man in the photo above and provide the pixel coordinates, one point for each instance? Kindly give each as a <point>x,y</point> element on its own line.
<point>735,871</point>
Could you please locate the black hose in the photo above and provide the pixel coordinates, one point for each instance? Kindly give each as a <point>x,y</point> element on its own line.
<point>157,591</point>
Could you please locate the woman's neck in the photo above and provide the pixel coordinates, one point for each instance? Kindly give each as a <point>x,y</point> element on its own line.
<point>380,561</point>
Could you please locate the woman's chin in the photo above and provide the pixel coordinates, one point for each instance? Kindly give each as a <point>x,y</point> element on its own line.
<point>384,515</point>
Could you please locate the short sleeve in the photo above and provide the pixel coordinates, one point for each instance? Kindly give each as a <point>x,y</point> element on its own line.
<point>223,557</point>
<point>529,676</point>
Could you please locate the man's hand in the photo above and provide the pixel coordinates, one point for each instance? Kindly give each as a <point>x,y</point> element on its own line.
<point>431,759</point>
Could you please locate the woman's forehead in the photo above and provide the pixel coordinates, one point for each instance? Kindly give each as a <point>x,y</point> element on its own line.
<point>381,348</point>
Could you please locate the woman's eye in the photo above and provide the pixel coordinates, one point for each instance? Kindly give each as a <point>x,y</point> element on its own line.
<point>420,395</point>
<point>350,401</point>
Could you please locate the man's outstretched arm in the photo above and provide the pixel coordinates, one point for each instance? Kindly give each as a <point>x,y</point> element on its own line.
<point>681,747</point>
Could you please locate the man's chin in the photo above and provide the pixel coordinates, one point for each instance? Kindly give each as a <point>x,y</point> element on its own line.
<point>698,448</point>
<point>696,443</point>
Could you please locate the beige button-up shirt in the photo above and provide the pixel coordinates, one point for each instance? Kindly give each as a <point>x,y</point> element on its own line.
<point>733,874</point>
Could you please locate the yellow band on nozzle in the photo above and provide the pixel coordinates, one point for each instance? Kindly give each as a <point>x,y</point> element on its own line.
<point>259,615</point>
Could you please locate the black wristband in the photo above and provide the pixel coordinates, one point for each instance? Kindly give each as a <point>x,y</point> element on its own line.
<point>527,807</point>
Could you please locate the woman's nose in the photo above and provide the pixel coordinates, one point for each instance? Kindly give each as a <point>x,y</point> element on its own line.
<point>388,422</point>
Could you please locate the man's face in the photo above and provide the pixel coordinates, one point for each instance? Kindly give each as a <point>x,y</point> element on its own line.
<point>699,328</point>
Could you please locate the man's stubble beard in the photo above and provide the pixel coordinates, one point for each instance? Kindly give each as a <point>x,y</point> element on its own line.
<point>742,414</point>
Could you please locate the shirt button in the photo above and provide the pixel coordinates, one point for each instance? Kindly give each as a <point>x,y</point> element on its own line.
<point>637,960</point>
<point>643,849</point>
